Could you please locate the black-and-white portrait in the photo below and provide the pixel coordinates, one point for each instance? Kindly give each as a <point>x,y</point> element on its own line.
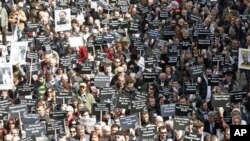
<point>62,20</point>
<point>18,52</point>
<point>6,76</point>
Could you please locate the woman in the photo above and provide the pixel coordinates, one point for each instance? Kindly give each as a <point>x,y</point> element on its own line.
<point>48,96</point>
<point>12,123</point>
<point>94,136</point>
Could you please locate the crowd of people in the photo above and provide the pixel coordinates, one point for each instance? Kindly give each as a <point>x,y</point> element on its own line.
<point>152,52</point>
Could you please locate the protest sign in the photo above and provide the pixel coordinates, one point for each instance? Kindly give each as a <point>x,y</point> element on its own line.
<point>101,107</point>
<point>215,80</point>
<point>65,62</point>
<point>75,41</point>
<point>30,104</point>
<point>58,115</point>
<point>220,100</point>
<point>62,20</point>
<point>6,76</point>
<point>106,94</point>
<point>237,96</point>
<point>183,110</point>
<point>35,129</point>
<point>89,123</point>
<point>196,71</point>
<point>192,136</point>
<point>18,53</point>
<point>167,110</point>
<point>64,97</point>
<point>55,127</point>
<point>190,88</point>
<point>128,122</point>
<point>149,76</point>
<point>102,81</point>
<point>30,118</point>
<point>181,123</point>
<point>24,90</point>
<point>148,132</point>
<point>17,111</point>
<point>123,102</point>
<point>244,59</point>
<point>30,138</point>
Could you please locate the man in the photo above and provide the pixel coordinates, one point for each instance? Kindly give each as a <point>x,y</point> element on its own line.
<point>210,125</point>
<point>41,110</point>
<point>85,97</point>
<point>80,133</point>
<point>3,23</point>
<point>245,60</point>
<point>62,16</point>
<point>162,133</point>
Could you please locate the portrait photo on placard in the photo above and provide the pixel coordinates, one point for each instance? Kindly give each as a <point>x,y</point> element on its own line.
<point>18,53</point>
<point>244,59</point>
<point>62,20</point>
<point>6,76</point>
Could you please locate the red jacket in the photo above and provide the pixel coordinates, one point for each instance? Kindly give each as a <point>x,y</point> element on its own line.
<point>83,52</point>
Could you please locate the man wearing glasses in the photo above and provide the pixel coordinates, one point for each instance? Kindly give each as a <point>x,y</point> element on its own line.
<point>85,97</point>
<point>162,133</point>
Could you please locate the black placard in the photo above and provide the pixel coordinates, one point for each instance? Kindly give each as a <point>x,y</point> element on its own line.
<point>5,103</point>
<point>100,56</point>
<point>24,90</point>
<point>190,88</point>
<point>172,56</point>
<point>196,71</point>
<point>149,76</point>
<point>64,97</point>
<point>204,43</point>
<point>65,62</point>
<point>214,80</point>
<point>30,104</point>
<point>138,104</point>
<point>195,18</point>
<point>30,118</point>
<point>164,15</point>
<point>106,94</point>
<point>31,138</point>
<point>101,107</point>
<point>32,56</point>
<point>154,34</point>
<point>128,122</point>
<point>168,34</point>
<point>183,110</point>
<point>134,28</point>
<point>220,100</point>
<point>102,81</point>
<point>33,27</point>
<point>123,102</point>
<point>86,68</point>
<point>150,62</point>
<point>167,110</point>
<point>58,115</point>
<point>15,110</point>
<point>35,129</point>
<point>218,58</point>
<point>181,123</point>
<point>57,125</point>
<point>114,24</point>
<point>148,132</point>
<point>192,137</point>
<point>237,96</point>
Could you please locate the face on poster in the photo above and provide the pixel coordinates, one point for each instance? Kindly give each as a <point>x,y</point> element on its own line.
<point>6,76</point>
<point>62,20</point>
<point>244,59</point>
<point>18,53</point>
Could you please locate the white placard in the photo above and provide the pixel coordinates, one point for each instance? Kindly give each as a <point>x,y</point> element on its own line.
<point>18,53</point>
<point>62,20</point>
<point>244,59</point>
<point>75,41</point>
<point>6,76</point>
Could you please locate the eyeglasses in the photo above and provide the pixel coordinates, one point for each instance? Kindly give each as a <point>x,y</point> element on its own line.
<point>72,131</point>
<point>163,132</point>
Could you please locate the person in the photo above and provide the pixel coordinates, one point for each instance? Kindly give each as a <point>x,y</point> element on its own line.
<point>17,20</point>
<point>3,23</point>
<point>245,62</point>
<point>62,18</point>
